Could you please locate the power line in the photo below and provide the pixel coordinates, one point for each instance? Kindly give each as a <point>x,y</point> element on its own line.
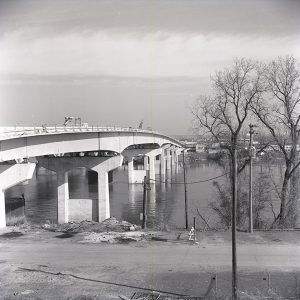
<point>192,182</point>
<point>174,182</point>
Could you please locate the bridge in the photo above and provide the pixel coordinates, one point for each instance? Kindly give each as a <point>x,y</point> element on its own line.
<point>100,149</point>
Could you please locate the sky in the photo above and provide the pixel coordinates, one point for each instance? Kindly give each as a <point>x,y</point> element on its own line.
<point>117,62</point>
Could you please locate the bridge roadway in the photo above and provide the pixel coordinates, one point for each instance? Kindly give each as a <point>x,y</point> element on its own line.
<point>100,149</point>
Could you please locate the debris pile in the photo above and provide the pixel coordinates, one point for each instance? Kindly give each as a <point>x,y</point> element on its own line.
<point>108,225</point>
<point>114,237</point>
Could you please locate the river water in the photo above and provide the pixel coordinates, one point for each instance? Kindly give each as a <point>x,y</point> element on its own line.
<point>165,201</point>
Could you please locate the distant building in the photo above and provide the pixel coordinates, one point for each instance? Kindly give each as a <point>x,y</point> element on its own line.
<point>215,148</point>
<point>213,151</point>
<point>200,148</point>
<point>191,146</point>
<point>215,145</point>
<point>274,147</point>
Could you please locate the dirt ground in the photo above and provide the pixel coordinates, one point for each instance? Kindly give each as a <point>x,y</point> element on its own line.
<point>70,263</point>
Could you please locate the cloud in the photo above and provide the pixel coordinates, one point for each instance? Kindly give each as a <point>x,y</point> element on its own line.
<point>161,54</point>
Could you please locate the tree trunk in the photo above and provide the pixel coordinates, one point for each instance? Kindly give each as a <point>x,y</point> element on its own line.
<point>283,195</point>
<point>293,207</point>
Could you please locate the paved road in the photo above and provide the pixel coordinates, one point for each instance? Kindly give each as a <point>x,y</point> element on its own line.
<point>33,263</point>
<point>159,255</point>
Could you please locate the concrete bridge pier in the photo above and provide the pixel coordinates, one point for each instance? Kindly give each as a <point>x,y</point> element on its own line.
<point>137,176</point>
<point>175,153</point>
<point>62,197</point>
<point>173,157</point>
<point>10,175</point>
<point>151,172</point>
<point>103,193</point>
<point>62,165</point>
<point>163,164</point>
<point>165,161</point>
<point>146,163</point>
<point>178,151</point>
<point>168,159</point>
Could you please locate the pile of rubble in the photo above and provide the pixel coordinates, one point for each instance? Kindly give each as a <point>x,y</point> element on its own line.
<point>108,225</point>
<point>109,231</point>
<point>115,237</point>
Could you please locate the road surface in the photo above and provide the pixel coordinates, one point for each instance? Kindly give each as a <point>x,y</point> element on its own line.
<point>43,265</point>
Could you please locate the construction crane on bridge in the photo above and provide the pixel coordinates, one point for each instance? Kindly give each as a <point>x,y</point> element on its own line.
<point>70,119</point>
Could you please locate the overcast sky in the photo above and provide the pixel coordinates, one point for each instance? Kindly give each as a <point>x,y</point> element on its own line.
<point>117,62</point>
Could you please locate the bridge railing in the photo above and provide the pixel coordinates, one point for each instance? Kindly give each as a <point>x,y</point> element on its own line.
<point>17,131</point>
<point>11,132</point>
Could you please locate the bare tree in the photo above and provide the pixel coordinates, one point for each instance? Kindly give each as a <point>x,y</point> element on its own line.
<point>222,116</point>
<point>279,113</point>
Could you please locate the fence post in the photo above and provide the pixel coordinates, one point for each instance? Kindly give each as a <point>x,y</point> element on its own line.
<point>216,284</point>
<point>144,224</point>
<point>194,229</point>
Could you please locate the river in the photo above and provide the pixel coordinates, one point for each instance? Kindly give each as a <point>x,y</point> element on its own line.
<point>165,201</point>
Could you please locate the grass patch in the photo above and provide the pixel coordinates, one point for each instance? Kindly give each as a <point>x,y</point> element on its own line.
<point>15,220</point>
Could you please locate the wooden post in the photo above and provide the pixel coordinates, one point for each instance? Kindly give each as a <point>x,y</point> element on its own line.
<point>216,284</point>
<point>194,229</point>
<point>297,288</point>
<point>233,225</point>
<point>251,132</point>
<point>144,203</point>
<point>185,193</point>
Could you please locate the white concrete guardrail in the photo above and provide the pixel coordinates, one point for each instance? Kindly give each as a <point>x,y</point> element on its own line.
<point>17,131</point>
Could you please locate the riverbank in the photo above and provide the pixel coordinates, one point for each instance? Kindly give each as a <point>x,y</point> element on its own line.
<point>42,263</point>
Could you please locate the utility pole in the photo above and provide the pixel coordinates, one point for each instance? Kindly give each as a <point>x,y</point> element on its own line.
<point>251,155</point>
<point>185,193</point>
<point>233,225</point>
<point>144,224</point>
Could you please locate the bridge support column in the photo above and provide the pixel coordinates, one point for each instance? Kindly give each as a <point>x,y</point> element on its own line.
<point>103,194</point>
<point>174,157</point>
<point>62,198</point>
<point>163,164</point>
<point>102,165</point>
<point>103,187</point>
<point>177,153</point>
<point>168,159</point>
<point>152,160</point>
<point>146,163</point>
<point>137,176</point>
<point>10,175</point>
<point>130,170</point>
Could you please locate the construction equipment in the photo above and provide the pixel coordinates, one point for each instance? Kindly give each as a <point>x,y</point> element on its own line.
<point>77,121</point>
